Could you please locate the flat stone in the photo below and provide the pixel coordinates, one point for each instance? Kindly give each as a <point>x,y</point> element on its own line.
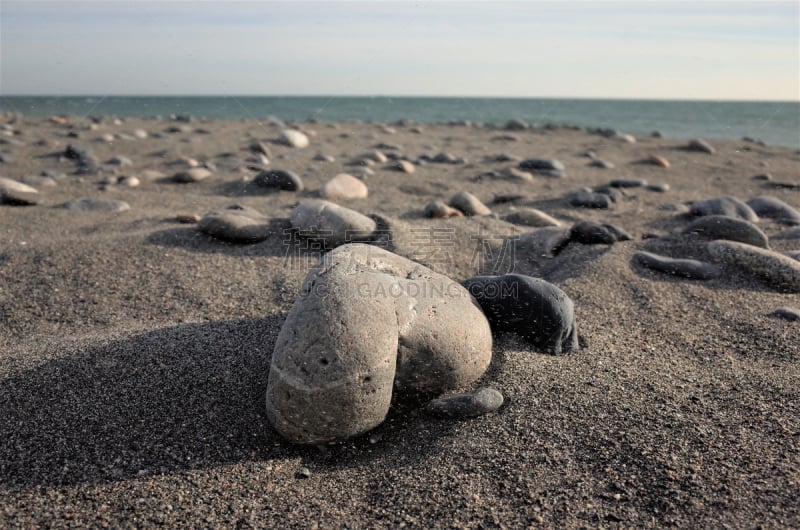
<point>195,174</point>
<point>787,313</point>
<point>439,209</point>
<point>330,223</point>
<point>659,161</point>
<point>602,164</point>
<point>121,161</point>
<point>775,209</point>
<point>293,138</point>
<point>517,174</point>
<point>344,186</point>
<point>88,204</point>
<point>16,193</point>
<point>151,175</point>
<point>531,217</point>
<point>368,326</point>
<point>591,233</point>
<point>728,206</point>
<point>468,405</point>
<point>789,233</point>
<point>188,218</point>
<point>777,270</point>
<point>628,183</point>
<point>278,179</point>
<point>541,164</point>
<point>713,227</point>
<point>545,242</point>
<point>661,187</point>
<point>685,268</point>
<point>469,204</point>
<point>236,224</point>
<point>536,310</point>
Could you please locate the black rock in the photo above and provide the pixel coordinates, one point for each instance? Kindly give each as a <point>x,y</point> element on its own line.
<point>541,164</point>
<point>627,183</point>
<point>78,152</point>
<point>468,405</point>
<point>536,310</point>
<point>713,227</point>
<point>591,233</point>
<point>279,179</point>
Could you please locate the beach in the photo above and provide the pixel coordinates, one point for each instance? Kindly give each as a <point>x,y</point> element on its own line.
<point>135,349</point>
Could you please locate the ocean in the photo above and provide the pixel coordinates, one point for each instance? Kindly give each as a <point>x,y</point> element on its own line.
<point>776,123</point>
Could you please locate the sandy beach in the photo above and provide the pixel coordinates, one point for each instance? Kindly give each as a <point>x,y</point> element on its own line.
<point>135,349</point>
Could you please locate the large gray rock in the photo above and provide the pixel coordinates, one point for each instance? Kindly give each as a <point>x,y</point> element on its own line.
<point>777,270</point>
<point>236,224</point>
<point>333,224</point>
<point>536,310</point>
<point>728,206</point>
<point>367,324</point>
<point>775,209</point>
<point>713,227</point>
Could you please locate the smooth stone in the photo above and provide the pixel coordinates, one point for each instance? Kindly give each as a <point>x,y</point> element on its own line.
<point>405,166</point>
<point>545,242</point>
<point>516,125</point>
<point>517,174</point>
<point>469,204</point>
<point>602,164</point>
<point>536,310</point>
<point>96,205</point>
<point>323,158</point>
<point>362,173</point>
<point>531,217</point>
<point>762,176</point>
<point>728,206</point>
<point>188,218</point>
<point>344,186</point>
<point>293,138</point>
<point>17,193</point>
<point>541,164</point>
<point>151,174</point>
<point>195,174</point>
<point>787,313</point>
<point>141,134</point>
<point>335,225</point>
<point>388,146</point>
<point>713,227</point>
<point>121,161</point>
<point>777,270</point>
<point>783,185</point>
<point>260,149</point>
<point>789,233</point>
<point>236,224</point>
<point>685,268</point>
<point>446,158</point>
<point>129,182</point>
<point>775,209</point>
<point>589,199</point>
<point>367,325</point>
<point>439,209</point>
<point>627,183</point>
<point>467,405</point>
<point>700,145</point>
<point>379,157</point>
<point>279,179</point>
<point>78,152</point>
<point>659,161</point>
<point>623,137</point>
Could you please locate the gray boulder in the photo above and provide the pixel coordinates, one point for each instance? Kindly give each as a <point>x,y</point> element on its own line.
<point>335,225</point>
<point>236,224</point>
<point>369,324</point>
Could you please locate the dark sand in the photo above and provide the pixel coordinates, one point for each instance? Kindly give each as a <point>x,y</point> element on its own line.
<point>134,351</point>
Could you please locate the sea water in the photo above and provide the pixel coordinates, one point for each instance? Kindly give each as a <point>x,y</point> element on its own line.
<point>776,123</point>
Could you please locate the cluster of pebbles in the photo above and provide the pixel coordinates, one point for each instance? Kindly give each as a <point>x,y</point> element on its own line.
<point>369,325</point>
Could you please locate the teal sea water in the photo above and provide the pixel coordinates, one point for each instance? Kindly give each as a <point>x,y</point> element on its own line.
<point>776,123</point>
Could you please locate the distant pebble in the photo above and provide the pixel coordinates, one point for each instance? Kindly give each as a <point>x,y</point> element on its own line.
<point>589,199</point>
<point>700,145</point>
<point>195,174</point>
<point>541,164</point>
<point>344,186</point>
<point>602,164</point>
<point>128,181</point>
<point>713,227</point>
<point>531,217</point>
<point>762,176</point>
<point>686,268</point>
<point>187,218</point>
<point>319,157</point>
<point>627,183</point>
<point>96,205</point>
<point>659,161</point>
<point>469,204</point>
<point>293,138</point>
<point>405,166</point>
<point>775,209</point>
<point>439,209</point>
<point>16,193</point>
<point>662,187</point>
<point>120,161</point>
<point>787,313</point>
<point>468,405</point>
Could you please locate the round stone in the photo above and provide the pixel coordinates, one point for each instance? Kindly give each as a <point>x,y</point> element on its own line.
<point>236,224</point>
<point>344,186</point>
<point>713,227</point>
<point>278,179</point>
<point>469,204</point>
<point>195,174</point>
<point>330,223</point>
<point>293,138</point>
<point>96,205</point>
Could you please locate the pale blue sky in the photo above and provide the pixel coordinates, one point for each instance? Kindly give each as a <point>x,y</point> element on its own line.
<point>746,50</point>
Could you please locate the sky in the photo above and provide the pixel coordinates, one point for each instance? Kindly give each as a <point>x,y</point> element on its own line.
<point>647,49</point>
